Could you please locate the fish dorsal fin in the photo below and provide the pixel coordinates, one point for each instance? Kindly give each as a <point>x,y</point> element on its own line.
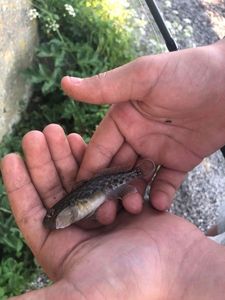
<point>146,166</point>
<point>106,171</point>
<point>78,184</point>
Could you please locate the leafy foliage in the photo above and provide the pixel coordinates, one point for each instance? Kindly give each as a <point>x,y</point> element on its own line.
<point>96,38</point>
<point>76,38</point>
<point>16,260</point>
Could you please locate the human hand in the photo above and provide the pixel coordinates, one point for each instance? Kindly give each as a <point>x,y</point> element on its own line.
<point>150,256</point>
<point>168,108</point>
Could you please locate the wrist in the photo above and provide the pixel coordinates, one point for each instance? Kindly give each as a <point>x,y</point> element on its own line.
<point>218,56</point>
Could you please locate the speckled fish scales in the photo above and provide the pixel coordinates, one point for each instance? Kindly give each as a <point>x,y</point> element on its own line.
<point>88,195</point>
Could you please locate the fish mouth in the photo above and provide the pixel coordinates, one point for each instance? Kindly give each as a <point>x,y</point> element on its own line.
<point>63,219</point>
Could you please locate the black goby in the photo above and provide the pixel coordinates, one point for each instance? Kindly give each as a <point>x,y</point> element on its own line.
<point>89,195</point>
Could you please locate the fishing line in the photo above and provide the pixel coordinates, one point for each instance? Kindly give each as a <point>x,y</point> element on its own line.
<point>150,20</point>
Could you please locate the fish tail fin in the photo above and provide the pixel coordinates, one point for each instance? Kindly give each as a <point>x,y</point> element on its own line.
<point>147,167</point>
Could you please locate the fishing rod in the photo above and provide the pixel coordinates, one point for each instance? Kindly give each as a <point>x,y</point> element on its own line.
<point>169,41</point>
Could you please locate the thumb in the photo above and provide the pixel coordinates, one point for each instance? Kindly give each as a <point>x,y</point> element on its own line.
<point>128,82</point>
<point>164,186</point>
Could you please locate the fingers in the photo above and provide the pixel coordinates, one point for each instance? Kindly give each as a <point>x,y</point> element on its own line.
<point>128,82</point>
<point>51,162</point>
<point>103,146</point>
<point>77,146</point>
<point>44,177</point>
<point>61,154</point>
<point>164,187</point>
<point>106,214</point>
<point>132,202</point>
<point>108,147</point>
<point>24,200</point>
<point>42,168</point>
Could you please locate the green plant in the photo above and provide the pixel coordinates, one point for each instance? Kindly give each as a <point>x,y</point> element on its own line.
<point>16,264</point>
<point>14,277</point>
<point>77,38</point>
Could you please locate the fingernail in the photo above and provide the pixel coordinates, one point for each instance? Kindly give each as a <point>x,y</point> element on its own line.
<point>75,80</point>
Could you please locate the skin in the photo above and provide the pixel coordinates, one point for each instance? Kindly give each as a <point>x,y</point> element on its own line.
<point>178,118</point>
<point>149,256</point>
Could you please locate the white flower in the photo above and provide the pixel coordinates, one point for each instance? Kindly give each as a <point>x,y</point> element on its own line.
<point>69,8</point>
<point>52,26</point>
<point>55,27</point>
<point>33,14</point>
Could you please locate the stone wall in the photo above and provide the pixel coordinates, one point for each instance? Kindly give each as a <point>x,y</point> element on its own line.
<point>18,37</point>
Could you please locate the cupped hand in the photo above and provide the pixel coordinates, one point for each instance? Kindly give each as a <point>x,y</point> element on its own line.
<point>149,256</point>
<point>168,108</point>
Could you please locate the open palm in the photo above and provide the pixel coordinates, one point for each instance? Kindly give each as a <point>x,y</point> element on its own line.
<point>135,258</point>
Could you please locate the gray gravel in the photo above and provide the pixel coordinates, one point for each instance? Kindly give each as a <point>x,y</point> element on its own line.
<point>189,22</point>
<point>202,193</point>
<point>194,23</point>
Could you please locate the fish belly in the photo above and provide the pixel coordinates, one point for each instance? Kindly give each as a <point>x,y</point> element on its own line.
<point>81,209</point>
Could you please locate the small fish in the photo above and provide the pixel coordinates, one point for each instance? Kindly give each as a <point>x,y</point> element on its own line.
<point>88,195</point>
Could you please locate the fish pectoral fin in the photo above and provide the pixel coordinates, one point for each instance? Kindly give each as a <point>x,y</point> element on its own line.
<point>122,191</point>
